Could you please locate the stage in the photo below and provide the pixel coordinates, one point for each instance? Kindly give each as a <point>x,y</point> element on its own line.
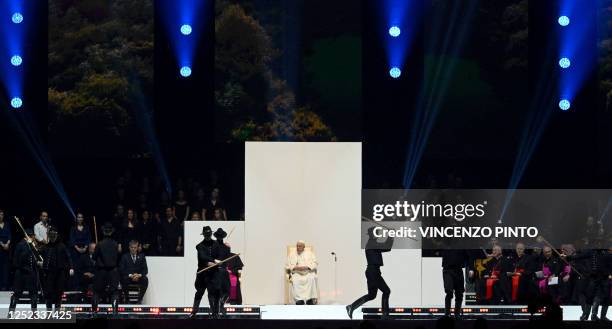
<point>83,312</point>
<point>314,324</point>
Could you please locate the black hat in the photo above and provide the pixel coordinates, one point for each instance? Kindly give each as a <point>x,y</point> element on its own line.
<point>107,228</point>
<point>220,233</point>
<point>52,229</point>
<point>206,230</point>
<point>29,231</point>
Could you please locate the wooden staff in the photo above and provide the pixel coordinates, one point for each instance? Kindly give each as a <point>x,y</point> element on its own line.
<point>95,229</point>
<point>30,242</point>
<point>216,264</point>
<point>230,233</point>
<point>541,239</point>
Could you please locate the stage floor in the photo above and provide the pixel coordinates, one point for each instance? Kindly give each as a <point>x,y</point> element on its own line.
<point>312,324</point>
<point>296,312</point>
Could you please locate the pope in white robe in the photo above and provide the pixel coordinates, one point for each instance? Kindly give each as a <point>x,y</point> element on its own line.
<point>302,266</point>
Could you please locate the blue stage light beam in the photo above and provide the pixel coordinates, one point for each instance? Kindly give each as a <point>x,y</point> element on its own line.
<point>23,123</point>
<point>14,29</point>
<point>605,212</point>
<point>183,20</point>
<point>447,39</point>
<point>144,119</point>
<point>402,19</point>
<point>576,43</point>
<point>14,38</point>
<point>541,108</point>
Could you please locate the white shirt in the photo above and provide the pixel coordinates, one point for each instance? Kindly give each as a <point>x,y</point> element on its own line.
<point>40,231</point>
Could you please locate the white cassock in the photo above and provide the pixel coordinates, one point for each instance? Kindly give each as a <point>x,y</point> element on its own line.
<point>303,283</point>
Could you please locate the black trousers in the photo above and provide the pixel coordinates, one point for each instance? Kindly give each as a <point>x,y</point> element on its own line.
<point>454,282</point>
<point>375,283</point>
<point>54,284</point>
<point>106,277</point>
<point>223,279</point>
<point>25,280</point>
<point>207,280</point>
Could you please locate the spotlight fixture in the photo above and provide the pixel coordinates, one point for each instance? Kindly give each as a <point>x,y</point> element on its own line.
<point>185,71</point>
<point>394,31</point>
<point>16,60</point>
<point>565,62</point>
<point>17,18</point>
<point>564,104</point>
<point>16,102</point>
<point>564,20</point>
<point>186,29</point>
<point>395,72</point>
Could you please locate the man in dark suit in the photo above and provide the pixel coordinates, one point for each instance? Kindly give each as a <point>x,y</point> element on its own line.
<point>133,269</point>
<point>26,272</point>
<point>208,257</point>
<point>106,256</point>
<point>375,281</point>
<point>86,268</point>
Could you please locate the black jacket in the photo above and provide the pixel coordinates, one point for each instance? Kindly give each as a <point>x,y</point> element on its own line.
<point>208,251</point>
<point>86,264</point>
<point>592,262</point>
<point>128,266</point>
<point>526,263</point>
<point>455,259</point>
<point>374,250</point>
<point>56,257</point>
<point>23,258</point>
<point>107,254</point>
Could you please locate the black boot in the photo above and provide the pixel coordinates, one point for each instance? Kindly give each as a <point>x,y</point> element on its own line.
<point>385,308</point>
<point>214,307</point>
<point>447,303</point>
<point>586,310</point>
<point>222,309</point>
<point>594,309</point>
<point>349,311</point>
<point>195,308</point>
<point>115,304</point>
<point>458,312</point>
<point>12,305</point>
<point>94,304</point>
<point>34,301</point>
